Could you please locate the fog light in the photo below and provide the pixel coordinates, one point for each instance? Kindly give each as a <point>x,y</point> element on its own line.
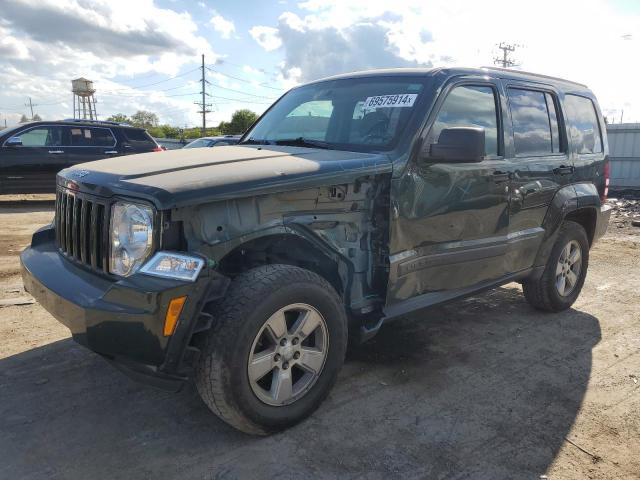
<point>173,313</point>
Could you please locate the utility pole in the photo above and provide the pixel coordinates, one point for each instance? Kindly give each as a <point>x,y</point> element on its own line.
<point>505,61</point>
<point>30,105</point>
<point>204,104</point>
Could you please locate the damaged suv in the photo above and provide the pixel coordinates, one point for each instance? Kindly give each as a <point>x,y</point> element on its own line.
<point>352,201</point>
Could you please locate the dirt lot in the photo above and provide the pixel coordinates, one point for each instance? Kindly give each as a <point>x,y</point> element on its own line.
<point>482,388</point>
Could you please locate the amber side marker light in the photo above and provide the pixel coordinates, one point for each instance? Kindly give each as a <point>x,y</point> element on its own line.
<point>173,313</point>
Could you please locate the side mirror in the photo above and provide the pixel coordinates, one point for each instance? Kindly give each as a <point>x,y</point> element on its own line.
<point>458,145</point>
<point>14,142</point>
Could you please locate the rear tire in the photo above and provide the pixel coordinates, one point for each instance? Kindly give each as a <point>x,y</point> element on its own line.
<point>262,319</point>
<point>565,272</point>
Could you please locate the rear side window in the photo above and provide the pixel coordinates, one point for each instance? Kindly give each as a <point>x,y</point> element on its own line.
<point>535,123</point>
<point>138,138</point>
<point>470,106</point>
<point>91,137</point>
<point>583,124</point>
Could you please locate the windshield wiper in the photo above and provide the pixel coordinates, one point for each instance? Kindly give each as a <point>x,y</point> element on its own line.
<point>303,142</point>
<point>253,141</point>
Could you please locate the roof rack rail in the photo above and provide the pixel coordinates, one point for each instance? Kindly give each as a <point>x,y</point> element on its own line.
<point>533,74</point>
<point>79,120</point>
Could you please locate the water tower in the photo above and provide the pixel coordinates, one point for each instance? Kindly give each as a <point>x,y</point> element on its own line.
<point>84,103</point>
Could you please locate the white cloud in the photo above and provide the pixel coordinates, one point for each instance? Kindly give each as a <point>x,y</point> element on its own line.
<point>267,37</point>
<point>100,40</point>
<point>332,36</point>
<point>223,26</point>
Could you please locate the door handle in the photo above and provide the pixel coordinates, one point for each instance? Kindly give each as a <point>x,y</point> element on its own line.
<point>500,177</point>
<point>56,152</point>
<point>563,170</point>
<point>110,152</point>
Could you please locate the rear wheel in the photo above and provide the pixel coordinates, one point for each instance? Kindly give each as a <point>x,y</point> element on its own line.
<point>564,275</point>
<point>278,342</point>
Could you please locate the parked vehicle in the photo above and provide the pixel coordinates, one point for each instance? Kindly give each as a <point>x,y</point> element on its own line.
<point>206,142</point>
<point>31,154</point>
<point>353,201</point>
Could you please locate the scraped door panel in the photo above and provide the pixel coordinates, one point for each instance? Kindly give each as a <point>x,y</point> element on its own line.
<point>449,221</point>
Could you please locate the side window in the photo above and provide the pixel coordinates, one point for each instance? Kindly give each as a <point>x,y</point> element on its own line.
<point>308,120</point>
<point>470,106</point>
<point>91,137</point>
<point>535,123</point>
<point>583,124</point>
<point>42,137</point>
<point>138,138</point>
<point>102,137</point>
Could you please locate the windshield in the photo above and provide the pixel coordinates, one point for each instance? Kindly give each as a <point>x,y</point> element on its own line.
<point>359,114</point>
<point>200,143</point>
<point>6,130</point>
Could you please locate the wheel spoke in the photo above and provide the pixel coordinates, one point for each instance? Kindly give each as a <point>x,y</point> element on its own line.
<point>566,251</point>
<point>281,385</point>
<point>311,359</point>
<point>306,323</point>
<point>260,365</point>
<point>575,256</point>
<point>277,326</point>
<point>559,268</point>
<point>561,284</point>
<point>572,278</point>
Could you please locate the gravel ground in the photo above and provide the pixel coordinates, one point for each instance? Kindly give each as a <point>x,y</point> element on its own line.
<point>482,388</point>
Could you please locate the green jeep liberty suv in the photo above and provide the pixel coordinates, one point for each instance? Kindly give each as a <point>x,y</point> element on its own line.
<point>352,201</point>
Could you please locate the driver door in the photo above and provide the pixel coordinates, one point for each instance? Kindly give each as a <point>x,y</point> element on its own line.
<point>449,221</point>
<point>31,167</point>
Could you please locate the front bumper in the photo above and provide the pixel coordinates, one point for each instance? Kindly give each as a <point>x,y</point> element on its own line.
<point>121,319</point>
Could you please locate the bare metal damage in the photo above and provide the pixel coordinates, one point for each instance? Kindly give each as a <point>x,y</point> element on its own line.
<point>339,231</point>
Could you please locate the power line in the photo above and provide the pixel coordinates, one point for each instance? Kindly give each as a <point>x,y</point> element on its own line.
<point>244,80</point>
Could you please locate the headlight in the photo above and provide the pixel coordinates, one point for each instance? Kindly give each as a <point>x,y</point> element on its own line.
<point>131,237</point>
<point>174,265</point>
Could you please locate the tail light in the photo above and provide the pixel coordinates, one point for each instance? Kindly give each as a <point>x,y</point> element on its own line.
<point>606,175</point>
<point>158,149</point>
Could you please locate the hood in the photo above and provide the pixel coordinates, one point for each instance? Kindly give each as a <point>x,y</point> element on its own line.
<point>186,177</point>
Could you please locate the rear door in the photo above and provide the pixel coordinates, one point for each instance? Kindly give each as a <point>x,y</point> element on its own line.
<point>90,143</point>
<point>32,166</point>
<point>539,164</point>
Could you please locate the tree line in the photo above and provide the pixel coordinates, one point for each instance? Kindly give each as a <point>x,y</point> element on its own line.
<point>241,120</point>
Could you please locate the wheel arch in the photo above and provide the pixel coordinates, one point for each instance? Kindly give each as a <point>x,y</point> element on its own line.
<point>290,246</point>
<point>571,203</point>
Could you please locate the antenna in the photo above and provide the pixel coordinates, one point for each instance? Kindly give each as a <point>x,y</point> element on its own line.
<point>505,61</point>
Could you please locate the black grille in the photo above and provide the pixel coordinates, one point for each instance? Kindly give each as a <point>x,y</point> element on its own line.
<point>81,228</point>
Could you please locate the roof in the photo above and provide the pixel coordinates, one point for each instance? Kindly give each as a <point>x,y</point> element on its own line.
<point>71,121</point>
<point>503,73</point>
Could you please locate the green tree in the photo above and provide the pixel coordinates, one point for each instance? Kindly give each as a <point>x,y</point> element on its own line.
<point>144,119</point>
<point>241,120</point>
<point>37,118</point>
<point>119,118</point>
<point>23,118</point>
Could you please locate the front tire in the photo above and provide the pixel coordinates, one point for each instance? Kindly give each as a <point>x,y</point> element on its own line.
<point>565,272</point>
<point>274,352</point>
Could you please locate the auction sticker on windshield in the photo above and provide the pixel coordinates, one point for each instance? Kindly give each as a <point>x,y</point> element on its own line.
<point>399,100</point>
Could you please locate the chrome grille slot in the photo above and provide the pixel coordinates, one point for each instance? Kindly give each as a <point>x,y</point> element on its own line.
<point>81,228</point>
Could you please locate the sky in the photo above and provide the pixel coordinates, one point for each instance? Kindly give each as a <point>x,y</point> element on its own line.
<point>146,54</point>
